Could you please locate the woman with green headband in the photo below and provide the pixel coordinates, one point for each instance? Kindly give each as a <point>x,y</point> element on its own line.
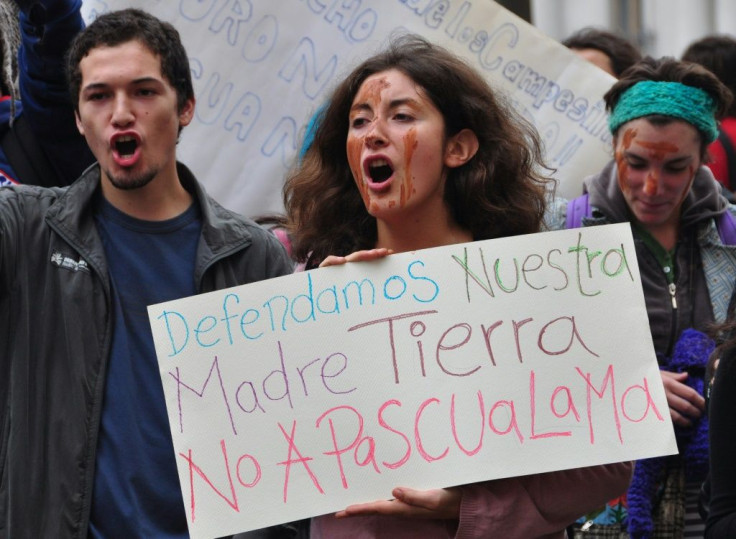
<point>663,115</point>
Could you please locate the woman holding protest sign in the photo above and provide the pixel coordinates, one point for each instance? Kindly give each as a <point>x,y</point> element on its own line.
<point>419,151</point>
<point>663,116</point>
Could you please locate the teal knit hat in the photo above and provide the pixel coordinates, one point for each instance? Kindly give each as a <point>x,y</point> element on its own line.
<point>675,99</point>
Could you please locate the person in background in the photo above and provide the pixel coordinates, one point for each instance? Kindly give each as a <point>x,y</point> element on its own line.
<point>663,117</point>
<point>86,448</point>
<point>612,53</point>
<point>718,55</point>
<point>415,150</point>
<point>39,141</point>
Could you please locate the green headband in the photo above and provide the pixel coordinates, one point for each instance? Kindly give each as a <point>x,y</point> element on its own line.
<point>688,103</point>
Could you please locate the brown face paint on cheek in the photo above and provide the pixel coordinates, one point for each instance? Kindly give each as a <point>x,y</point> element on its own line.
<point>622,165</point>
<point>407,182</point>
<point>354,149</point>
<point>370,93</point>
<point>623,172</point>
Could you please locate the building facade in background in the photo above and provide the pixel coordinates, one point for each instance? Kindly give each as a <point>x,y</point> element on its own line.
<point>657,27</point>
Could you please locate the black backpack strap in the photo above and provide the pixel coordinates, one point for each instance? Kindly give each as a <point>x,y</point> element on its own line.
<point>30,164</point>
<point>730,158</point>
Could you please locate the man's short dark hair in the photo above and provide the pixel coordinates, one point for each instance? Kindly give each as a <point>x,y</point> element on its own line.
<point>621,52</point>
<point>118,27</point>
<point>717,53</point>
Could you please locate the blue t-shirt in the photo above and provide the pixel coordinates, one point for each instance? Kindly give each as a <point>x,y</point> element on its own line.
<point>136,489</point>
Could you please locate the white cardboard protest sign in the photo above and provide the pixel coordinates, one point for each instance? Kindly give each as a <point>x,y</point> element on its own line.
<point>261,68</point>
<point>300,395</point>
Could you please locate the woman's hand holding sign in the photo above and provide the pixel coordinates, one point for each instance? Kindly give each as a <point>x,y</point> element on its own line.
<point>441,503</point>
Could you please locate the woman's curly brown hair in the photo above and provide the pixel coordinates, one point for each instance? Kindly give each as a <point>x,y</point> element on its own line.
<point>499,192</point>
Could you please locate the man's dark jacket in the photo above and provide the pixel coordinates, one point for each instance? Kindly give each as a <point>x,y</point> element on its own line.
<point>55,333</point>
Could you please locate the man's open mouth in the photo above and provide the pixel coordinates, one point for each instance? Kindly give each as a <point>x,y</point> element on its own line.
<point>126,145</point>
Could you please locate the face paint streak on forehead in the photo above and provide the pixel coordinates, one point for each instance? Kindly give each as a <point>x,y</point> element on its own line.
<point>354,147</point>
<point>407,184</point>
<point>629,136</point>
<point>659,149</point>
<point>370,91</point>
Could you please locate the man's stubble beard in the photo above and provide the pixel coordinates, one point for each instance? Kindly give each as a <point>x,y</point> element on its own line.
<point>131,183</point>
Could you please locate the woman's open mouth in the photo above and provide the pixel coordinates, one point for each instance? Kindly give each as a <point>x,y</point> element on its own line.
<point>378,173</point>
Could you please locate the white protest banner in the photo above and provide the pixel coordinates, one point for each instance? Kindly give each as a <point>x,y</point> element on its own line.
<point>300,395</point>
<point>261,68</point>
